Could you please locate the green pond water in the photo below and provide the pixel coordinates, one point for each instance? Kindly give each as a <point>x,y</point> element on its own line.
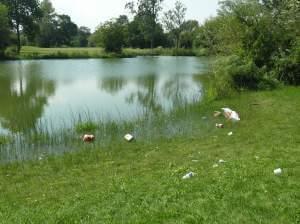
<point>57,92</point>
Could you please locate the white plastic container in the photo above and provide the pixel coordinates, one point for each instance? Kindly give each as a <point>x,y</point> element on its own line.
<point>128,137</point>
<point>189,175</point>
<point>278,171</point>
<point>220,125</point>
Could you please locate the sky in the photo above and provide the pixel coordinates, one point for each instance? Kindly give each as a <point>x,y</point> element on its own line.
<point>91,13</point>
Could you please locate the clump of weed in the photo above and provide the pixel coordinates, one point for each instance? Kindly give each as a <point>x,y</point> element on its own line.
<point>4,140</point>
<point>86,127</point>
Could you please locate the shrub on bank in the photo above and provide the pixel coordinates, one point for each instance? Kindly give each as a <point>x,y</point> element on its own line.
<point>236,73</point>
<point>11,52</point>
<point>287,67</point>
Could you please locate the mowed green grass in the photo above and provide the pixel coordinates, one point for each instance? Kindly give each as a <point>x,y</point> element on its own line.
<point>142,182</point>
<point>36,52</point>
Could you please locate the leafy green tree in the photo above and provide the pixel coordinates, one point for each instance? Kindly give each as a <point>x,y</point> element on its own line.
<point>66,30</point>
<point>136,37</point>
<point>95,40</point>
<point>173,21</point>
<point>47,32</point>
<point>147,13</point>
<point>188,33</point>
<point>23,15</point>
<point>82,38</point>
<point>124,22</point>
<point>4,29</point>
<point>110,36</point>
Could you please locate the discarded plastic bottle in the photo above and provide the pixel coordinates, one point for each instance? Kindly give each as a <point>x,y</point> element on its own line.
<point>188,175</point>
<point>278,171</point>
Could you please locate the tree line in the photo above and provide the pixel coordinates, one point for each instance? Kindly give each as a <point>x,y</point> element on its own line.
<point>30,22</point>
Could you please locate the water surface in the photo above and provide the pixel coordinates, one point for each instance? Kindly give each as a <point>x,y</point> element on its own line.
<point>109,89</point>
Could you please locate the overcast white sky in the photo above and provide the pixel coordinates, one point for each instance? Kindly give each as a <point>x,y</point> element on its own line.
<point>91,13</point>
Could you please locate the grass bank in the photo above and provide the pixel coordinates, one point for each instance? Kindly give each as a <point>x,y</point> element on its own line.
<point>28,52</point>
<point>140,182</point>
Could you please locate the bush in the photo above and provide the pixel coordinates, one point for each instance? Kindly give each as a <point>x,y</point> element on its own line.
<point>11,52</point>
<point>237,73</point>
<point>245,74</point>
<point>287,68</point>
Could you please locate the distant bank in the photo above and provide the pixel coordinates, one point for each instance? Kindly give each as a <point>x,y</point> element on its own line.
<point>28,52</point>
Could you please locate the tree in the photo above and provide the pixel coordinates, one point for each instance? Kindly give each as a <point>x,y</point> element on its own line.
<point>123,21</point>
<point>66,30</point>
<point>110,36</point>
<point>4,29</point>
<point>22,15</point>
<point>147,13</point>
<point>136,38</point>
<point>83,36</point>
<point>173,21</point>
<point>47,32</point>
<point>189,33</point>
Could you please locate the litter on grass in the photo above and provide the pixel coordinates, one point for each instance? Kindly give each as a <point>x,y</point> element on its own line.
<point>217,113</point>
<point>222,161</point>
<point>215,165</point>
<point>128,137</point>
<point>230,133</point>
<point>189,175</point>
<point>88,138</point>
<point>220,125</point>
<point>231,114</point>
<point>278,171</point>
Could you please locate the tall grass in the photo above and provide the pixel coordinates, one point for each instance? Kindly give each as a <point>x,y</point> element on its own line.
<point>46,139</point>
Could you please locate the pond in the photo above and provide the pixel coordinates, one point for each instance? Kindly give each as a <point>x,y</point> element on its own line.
<point>59,91</point>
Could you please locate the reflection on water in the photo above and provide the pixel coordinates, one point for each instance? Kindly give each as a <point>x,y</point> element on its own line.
<point>114,89</point>
<point>23,95</point>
